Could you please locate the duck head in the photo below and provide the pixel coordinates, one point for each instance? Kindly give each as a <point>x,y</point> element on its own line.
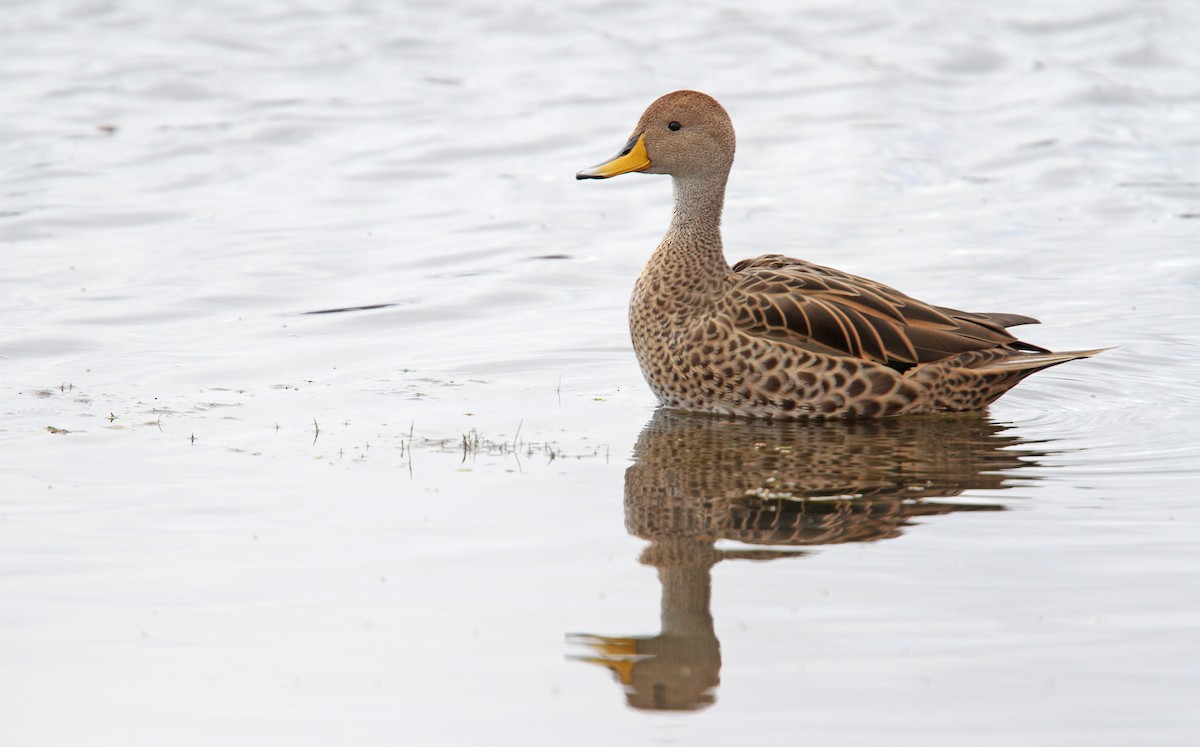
<point>685,134</point>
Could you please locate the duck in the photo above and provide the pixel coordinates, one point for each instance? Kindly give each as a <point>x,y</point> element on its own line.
<point>779,337</point>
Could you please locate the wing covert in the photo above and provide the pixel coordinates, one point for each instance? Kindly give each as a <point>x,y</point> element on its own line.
<point>825,310</point>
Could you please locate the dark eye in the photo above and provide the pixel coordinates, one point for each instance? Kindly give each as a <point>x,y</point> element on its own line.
<point>674,127</point>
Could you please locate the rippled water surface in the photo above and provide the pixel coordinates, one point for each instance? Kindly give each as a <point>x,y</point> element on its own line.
<point>450,514</point>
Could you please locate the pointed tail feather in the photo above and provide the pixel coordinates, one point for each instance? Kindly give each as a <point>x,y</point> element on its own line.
<point>1034,361</point>
<point>1007,320</point>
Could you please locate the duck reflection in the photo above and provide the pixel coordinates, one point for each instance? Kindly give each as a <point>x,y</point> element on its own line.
<point>772,488</point>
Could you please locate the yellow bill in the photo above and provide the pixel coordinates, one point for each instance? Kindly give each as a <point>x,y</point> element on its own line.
<point>633,157</point>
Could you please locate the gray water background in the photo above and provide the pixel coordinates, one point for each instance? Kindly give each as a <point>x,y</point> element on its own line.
<point>226,521</point>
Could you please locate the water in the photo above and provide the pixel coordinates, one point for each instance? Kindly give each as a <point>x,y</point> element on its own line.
<point>225,520</point>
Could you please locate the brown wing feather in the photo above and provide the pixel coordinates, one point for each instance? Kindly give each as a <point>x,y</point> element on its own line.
<point>827,310</point>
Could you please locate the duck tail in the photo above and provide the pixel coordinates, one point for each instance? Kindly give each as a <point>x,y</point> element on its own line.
<point>1031,362</point>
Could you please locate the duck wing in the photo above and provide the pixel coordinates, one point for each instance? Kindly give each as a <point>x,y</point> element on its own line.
<point>829,311</point>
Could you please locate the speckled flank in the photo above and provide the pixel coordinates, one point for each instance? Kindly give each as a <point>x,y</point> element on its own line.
<point>695,357</point>
<point>779,337</point>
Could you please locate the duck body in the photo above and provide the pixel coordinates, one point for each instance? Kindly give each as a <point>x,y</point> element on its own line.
<point>779,337</point>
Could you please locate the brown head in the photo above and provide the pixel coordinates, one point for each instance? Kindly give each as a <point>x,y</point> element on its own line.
<point>684,134</point>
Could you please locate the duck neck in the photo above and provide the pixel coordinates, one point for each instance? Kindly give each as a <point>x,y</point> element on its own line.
<point>698,205</point>
<point>692,247</point>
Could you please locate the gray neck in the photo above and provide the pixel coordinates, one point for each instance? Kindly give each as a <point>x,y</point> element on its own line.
<point>691,253</point>
<point>698,204</point>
